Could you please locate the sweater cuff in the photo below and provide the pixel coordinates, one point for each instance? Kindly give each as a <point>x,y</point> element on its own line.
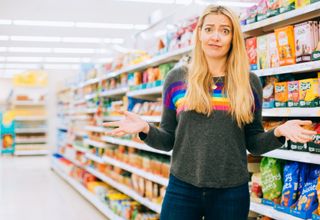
<point>277,141</point>
<point>146,137</point>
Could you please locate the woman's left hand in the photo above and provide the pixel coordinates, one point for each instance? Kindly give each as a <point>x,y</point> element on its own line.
<point>293,131</point>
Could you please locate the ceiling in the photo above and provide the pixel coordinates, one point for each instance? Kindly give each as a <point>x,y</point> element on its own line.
<point>78,31</point>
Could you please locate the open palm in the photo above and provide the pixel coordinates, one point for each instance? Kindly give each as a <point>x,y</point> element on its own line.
<point>131,124</point>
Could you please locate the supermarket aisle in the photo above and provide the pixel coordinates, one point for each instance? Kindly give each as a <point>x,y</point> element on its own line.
<point>29,190</point>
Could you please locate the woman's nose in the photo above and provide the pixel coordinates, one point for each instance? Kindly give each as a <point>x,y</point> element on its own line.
<point>215,36</point>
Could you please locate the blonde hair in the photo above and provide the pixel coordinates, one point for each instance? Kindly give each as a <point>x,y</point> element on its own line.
<point>237,79</point>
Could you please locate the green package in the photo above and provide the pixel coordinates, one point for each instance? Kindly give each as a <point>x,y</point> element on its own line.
<point>271,179</point>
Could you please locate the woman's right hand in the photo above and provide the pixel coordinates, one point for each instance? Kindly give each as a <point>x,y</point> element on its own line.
<point>131,124</point>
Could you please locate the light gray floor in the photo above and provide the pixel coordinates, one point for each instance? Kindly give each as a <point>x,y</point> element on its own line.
<point>29,190</point>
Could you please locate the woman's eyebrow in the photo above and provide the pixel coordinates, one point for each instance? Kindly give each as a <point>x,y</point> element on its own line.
<point>223,25</point>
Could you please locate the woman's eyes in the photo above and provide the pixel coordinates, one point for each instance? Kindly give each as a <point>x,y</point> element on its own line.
<point>225,31</point>
<point>207,29</point>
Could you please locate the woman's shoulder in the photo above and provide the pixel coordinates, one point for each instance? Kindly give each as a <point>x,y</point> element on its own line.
<point>254,80</point>
<point>177,74</point>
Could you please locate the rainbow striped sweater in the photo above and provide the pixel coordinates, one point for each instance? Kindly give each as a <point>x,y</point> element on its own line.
<point>208,151</point>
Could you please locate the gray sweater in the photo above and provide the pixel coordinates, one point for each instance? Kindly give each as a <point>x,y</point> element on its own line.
<point>208,151</point>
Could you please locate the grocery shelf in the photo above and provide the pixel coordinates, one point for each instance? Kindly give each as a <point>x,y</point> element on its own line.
<point>164,58</point>
<point>133,144</point>
<point>143,92</point>
<point>29,103</point>
<point>151,118</point>
<point>95,129</point>
<point>30,130</point>
<point>300,156</point>
<point>291,17</point>
<point>94,158</point>
<point>75,162</point>
<point>91,96</point>
<point>30,152</point>
<point>30,118</point>
<point>114,92</point>
<point>79,148</point>
<point>291,112</point>
<point>271,212</point>
<point>103,208</point>
<point>95,143</point>
<point>31,141</point>
<point>150,176</point>
<point>80,101</point>
<point>90,81</point>
<point>113,118</point>
<point>296,68</point>
<point>126,190</point>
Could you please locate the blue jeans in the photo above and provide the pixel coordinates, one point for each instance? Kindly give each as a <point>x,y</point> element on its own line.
<point>184,201</point>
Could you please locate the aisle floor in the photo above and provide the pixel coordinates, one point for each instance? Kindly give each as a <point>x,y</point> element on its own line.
<point>30,190</point>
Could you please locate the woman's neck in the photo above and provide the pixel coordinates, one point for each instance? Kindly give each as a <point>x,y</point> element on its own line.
<point>217,67</point>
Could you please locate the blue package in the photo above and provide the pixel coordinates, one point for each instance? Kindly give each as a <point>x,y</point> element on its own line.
<point>290,187</point>
<point>303,177</point>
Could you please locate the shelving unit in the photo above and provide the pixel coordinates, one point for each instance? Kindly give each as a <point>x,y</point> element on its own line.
<point>145,92</point>
<point>291,112</point>
<point>114,92</point>
<point>269,211</point>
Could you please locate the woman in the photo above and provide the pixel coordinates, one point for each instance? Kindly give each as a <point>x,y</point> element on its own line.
<point>211,116</point>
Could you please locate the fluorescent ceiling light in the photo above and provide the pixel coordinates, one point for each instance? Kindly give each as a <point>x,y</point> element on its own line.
<point>151,1</point>
<point>2,59</point>
<point>81,40</point>
<point>3,49</point>
<point>35,38</point>
<point>24,59</point>
<point>62,59</point>
<point>5,22</point>
<point>104,25</point>
<point>29,50</point>
<point>44,23</point>
<point>226,3</point>
<point>61,67</point>
<point>140,26</point>
<point>73,50</point>
<point>4,38</point>
<point>21,66</point>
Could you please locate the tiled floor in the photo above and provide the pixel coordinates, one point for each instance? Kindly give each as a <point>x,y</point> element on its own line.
<point>30,190</point>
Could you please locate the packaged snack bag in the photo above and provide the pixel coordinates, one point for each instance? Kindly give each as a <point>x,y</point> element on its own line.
<point>273,54</point>
<point>251,46</point>
<point>302,3</point>
<point>268,91</point>
<point>287,5</point>
<point>285,44</point>
<point>308,201</point>
<point>304,42</point>
<point>271,179</point>
<point>290,187</point>
<point>252,14</point>
<point>281,94</point>
<point>303,176</point>
<point>274,7</point>
<point>318,193</point>
<point>309,96</point>
<point>314,146</point>
<point>256,189</point>
<point>262,42</point>
<point>293,94</point>
<point>262,10</point>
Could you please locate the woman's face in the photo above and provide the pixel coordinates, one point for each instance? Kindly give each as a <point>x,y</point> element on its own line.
<point>216,36</point>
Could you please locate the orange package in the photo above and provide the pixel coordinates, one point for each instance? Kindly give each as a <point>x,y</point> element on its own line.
<point>281,94</point>
<point>293,94</point>
<point>286,46</point>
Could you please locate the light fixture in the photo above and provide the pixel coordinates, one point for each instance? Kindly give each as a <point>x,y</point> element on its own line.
<point>73,50</point>
<point>81,40</point>
<point>3,49</point>
<point>35,38</point>
<point>62,60</point>
<point>21,66</point>
<point>44,23</point>
<point>226,3</point>
<point>60,67</point>
<point>4,38</point>
<point>29,50</point>
<point>24,59</point>
<point>5,22</point>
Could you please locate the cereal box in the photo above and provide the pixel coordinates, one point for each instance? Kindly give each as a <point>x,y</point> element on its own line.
<point>251,45</point>
<point>274,7</point>
<point>302,3</point>
<point>273,54</point>
<point>285,44</point>
<point>262,52</point>
<point>308,94</point>
<point>287,5</point>
<point>262,10</point>
<point>281,94</point>
<point>293,94</point>
<point>303,35</point>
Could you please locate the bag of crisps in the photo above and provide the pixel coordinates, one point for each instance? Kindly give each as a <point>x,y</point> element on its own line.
<point>290,187</point>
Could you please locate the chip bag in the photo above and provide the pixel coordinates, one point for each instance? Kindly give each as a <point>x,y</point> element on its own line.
<point>271,178</point>
<point>290,187</point>
<point>303,176</point>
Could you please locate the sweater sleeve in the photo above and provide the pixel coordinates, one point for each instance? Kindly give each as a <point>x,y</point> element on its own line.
<point>257,140</point>
<point>163,138</point>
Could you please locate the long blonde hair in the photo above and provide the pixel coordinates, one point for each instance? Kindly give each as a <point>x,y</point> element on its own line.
<point>237,82</point>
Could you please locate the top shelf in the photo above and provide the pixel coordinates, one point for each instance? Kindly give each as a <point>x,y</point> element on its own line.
<point>171,56</point>
<point>292,17</point>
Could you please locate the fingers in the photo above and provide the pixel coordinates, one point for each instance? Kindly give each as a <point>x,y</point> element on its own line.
<point>129,114</point>
<point>112,124</point>
<point>308,132</point>
<point>304,122</point>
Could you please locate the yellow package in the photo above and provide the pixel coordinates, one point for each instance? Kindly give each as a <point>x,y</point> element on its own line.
<point>302,3</point>
<point>318,193</point>
<point>281,94</point>
<point>286,45</point>
<point>308,94</point>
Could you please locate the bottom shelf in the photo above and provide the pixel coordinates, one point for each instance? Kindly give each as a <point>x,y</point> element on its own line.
<point>86,194</point>
<point>31,152</point>
<point>270,212</point>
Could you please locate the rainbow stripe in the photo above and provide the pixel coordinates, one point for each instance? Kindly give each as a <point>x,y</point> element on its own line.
<point>174,98</point>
